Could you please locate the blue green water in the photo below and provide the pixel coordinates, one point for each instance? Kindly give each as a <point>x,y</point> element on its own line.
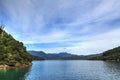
<point>64,70</point>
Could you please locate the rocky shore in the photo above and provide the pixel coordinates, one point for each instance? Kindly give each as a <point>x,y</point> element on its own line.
<point>16,65</point>
<point>4,66</point>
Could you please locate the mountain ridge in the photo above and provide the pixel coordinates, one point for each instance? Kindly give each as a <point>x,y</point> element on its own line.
<point>111,54</point>
<point>61,55</point>
<point>50,55</point>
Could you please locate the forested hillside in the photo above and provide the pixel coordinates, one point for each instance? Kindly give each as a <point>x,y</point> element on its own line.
<point>112,54</point>
<point>12,52</point>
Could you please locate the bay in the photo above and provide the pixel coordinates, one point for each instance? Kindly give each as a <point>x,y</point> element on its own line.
<point>64,70</point>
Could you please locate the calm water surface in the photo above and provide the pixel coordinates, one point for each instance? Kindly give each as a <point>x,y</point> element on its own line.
<point>64,70</point>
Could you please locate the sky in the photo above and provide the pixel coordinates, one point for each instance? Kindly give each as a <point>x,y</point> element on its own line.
<point>76,26</point>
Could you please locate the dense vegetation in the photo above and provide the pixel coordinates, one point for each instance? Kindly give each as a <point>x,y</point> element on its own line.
<point>112,54</point>
<point>12,52</point>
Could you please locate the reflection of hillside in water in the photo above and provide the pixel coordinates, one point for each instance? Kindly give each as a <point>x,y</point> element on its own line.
<point>14,73</point>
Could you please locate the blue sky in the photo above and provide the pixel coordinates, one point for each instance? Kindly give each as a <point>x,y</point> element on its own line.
<point>76,26</point>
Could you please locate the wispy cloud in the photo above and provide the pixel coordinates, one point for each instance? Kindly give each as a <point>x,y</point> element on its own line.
<point>80,26</point>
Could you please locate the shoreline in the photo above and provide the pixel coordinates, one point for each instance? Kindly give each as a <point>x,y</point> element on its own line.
<point>4,66</point>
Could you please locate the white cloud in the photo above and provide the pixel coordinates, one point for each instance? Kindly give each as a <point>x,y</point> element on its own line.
<point>98,43</point>
<point>84,24</point>
<point>88,44</point>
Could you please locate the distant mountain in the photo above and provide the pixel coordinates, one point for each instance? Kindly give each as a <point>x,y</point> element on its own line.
<point>61,55</point>
<point>82,57</point>
<point>52,56</point>
<point>37,53</point>
<point>65,54</point>
<point>112,54</point>
<point>37,58</point>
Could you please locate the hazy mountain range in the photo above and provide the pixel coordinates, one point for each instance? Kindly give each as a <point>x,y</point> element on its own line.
<point>112,54</point>
<point>61,55</point>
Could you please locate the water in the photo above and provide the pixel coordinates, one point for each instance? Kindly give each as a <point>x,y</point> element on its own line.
<point>64,70</point>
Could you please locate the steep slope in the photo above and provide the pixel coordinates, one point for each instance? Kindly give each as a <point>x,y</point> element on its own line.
<point>12,52</point>
<point>112,54</point>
